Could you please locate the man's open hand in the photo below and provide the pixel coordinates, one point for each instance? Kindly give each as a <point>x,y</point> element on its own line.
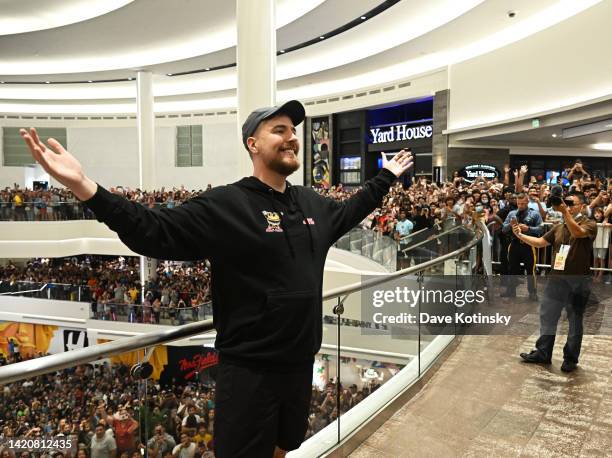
<point>60,164</point>
<point>401,162</point>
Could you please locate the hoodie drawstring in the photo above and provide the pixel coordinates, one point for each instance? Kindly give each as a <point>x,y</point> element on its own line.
<point>282,225</point>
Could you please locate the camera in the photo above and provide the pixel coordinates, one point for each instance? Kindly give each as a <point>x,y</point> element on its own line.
<point>556,196</point>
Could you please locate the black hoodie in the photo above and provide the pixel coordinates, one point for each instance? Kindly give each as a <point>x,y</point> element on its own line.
<point>267,251</point>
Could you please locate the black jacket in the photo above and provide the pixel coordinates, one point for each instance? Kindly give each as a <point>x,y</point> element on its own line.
<point>267,251</point>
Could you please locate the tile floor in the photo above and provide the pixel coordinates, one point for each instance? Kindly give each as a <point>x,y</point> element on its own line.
<point>483,402</point>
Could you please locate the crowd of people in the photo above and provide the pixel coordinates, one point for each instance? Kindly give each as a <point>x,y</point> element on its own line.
<point>112,285</point>
<point>107,414</point>
<point>57,204</point>
<point>410,213</point>
<point>426,207</point>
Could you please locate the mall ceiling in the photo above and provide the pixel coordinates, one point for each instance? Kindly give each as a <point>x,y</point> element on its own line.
<point>83,40</point>
<point>86,52</point>
<point>587,127</point>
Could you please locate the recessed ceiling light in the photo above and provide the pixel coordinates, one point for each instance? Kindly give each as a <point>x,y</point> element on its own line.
<point>321,37</point>
<point>169,74</point>
<point>1,82</point>
<point>554,135</point>
<point>363,18</point>
<point>207,68</point>
<point>282,51</point>
<point>130,78</point>
<point>47,82</point>
<point>89,81</point>
<point>603,146</point>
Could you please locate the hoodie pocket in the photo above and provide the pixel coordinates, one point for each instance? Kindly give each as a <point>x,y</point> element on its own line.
<point>287,326</point>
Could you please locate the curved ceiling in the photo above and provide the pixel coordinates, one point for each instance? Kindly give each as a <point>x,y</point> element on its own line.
<point>143,33</point>
<point>412,37</point>
<point>32,15</point>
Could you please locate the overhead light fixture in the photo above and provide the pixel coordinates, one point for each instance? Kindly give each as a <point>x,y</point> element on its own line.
<point>363,18</point>
<point>47,82</point>
<point>130,78</point>
<point>169,74</point>
<point>554,135</point>
<point>1,82</point>
<point>588,129</point>
<point>89,81</point>
<point>207,68</point>
<point>282,51</point>
<point>322,37</point>
<point>603,146</point>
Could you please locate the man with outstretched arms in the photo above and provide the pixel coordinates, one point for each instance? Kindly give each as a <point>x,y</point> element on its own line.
<point>267,242</point>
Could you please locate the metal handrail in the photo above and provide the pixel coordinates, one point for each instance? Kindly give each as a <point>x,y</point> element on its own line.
<point>412,234</point>
<point>418,244</point>
<point>39,366</point>
<point>8,293</point>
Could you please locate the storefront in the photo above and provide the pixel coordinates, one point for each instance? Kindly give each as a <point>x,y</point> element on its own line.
<point>346,147</point>
<point>549,167</point>
<point>394,128</point>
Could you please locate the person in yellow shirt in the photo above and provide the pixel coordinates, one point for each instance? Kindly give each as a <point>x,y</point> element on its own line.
<point>202,436</point>
<point>18,206</point>
<point>133,292</point>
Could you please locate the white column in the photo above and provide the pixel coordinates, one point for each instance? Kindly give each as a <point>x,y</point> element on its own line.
<point>146,150</point>
<point>256,59</point>
<point>146,130</point>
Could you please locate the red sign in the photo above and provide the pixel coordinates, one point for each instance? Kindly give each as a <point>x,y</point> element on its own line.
<point>190,366</point>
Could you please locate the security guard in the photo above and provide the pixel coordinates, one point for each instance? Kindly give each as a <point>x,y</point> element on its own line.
<point>530,223</point>
<point>569,281</point>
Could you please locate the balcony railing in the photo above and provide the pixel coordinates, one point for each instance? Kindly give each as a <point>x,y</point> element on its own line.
<point>456,254</point>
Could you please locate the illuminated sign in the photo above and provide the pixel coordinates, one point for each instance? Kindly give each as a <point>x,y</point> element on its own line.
<point>400,132</point>
<point>471,172</point>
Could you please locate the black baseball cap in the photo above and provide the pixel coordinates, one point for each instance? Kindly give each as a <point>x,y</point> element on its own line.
<point>293,108</point>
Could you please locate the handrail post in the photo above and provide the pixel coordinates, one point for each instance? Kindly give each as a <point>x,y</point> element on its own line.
<point>420,280</point>
<point>338,311</point>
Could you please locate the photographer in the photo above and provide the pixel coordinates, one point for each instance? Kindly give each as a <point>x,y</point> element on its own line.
<point>577,172</point>
<point>161,442</point>
<point>529,222</point>
<point>569,280</point>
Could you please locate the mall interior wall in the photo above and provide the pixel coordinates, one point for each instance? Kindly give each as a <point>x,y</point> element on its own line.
<point>461,157</point>
<point>560,66</point>
<point>109,154</point>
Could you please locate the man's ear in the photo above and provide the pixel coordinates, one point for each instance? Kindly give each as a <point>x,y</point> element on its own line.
<point>252,145</point>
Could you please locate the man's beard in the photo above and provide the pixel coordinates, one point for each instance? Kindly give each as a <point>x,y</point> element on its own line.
<point>282,165</point>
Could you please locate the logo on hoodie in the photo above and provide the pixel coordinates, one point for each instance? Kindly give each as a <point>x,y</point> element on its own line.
<point>273,220</point>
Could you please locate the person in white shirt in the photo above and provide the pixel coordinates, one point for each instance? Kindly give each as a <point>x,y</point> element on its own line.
<point>601,243</point>
<point>102,444</point>
<point>186,449</point>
